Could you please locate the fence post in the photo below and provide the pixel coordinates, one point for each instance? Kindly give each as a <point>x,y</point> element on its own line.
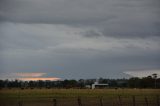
<point>79,101</point>
<point>54,102</point>
<point>120,100</point>
<point>134,101</point>
<point>146,100</point>
<point>158,104</point>
<point>101,103</point>
<point>20,103</point>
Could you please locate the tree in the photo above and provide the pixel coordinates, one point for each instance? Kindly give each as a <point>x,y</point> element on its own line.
<point>134,82</point>
<point>155,80</point>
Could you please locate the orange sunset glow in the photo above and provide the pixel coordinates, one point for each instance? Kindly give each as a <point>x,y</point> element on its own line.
<point>36,79</point>
<point>22,74</point>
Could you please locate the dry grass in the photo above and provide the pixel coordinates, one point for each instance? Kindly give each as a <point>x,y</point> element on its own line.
<point>68,97</point>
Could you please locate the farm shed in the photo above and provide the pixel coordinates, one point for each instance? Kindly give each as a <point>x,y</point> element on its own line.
<point>97,85</point>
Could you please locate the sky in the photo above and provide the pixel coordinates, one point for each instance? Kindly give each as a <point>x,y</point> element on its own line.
<point>79,38</point>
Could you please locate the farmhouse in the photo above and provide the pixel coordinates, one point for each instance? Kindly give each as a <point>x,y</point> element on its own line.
<point>97,85</point>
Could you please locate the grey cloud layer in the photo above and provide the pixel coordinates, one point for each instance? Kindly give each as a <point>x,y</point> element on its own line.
<point>73,38</point>
<point>116,18</point>
<point>43,47</point>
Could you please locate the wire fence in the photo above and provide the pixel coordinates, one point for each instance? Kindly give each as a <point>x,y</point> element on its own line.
<point>85,101</point>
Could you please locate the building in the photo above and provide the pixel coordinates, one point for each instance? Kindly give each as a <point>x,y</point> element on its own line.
<point>97,85</point>
<point>88,86</point>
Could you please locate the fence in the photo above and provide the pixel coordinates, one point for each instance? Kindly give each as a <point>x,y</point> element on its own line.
<point>87,101</point>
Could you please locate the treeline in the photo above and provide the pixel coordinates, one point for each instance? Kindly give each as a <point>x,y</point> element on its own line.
<point>146,82</point>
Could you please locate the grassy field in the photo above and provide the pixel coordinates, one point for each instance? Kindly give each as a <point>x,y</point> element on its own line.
<point>87,97</point>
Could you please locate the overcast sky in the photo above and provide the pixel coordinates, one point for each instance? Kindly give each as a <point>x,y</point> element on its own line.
<point>79,38</point>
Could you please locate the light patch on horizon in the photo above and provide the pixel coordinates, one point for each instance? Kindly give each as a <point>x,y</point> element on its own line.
<point>28,76</point>
<point>23,74</point>
<point>143,73</point>
<point>40,78</point>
